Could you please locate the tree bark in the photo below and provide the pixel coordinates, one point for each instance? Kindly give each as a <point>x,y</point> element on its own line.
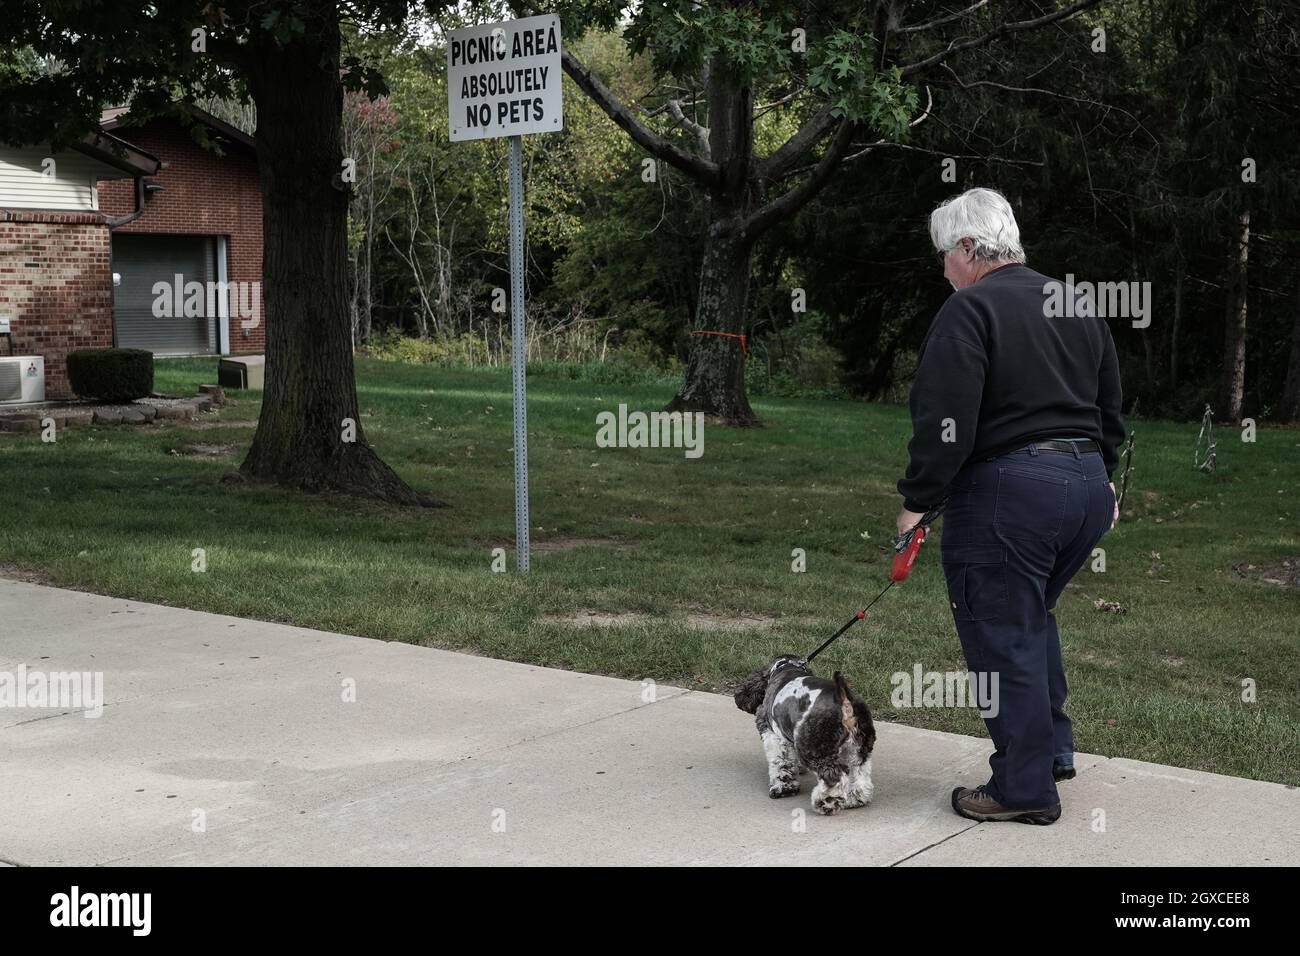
<point>714,380</point>
<point>1232,384</point>
<point>1290,406</point>
<point>301,439</point>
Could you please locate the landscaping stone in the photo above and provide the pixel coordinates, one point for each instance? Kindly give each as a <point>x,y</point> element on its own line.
<point>21,423</point>
<point>175,411</point>
<point>216,392</point>
<point>28,419</point>
<point>74,416</point>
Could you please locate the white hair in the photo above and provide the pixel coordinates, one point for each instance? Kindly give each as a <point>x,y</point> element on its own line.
<point>982,215</point>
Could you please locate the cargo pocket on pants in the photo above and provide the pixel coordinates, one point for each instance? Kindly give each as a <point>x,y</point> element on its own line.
<point>977,580</point>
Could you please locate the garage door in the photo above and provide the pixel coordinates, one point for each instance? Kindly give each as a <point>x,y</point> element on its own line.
<point>142,261</point>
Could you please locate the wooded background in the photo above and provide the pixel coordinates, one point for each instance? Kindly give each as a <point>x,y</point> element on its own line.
<point>1121,165</point>
<point>756,169</point>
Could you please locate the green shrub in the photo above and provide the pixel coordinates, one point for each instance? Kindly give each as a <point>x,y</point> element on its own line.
<point>636,350</point>
<point>111,375</point>
<point>465,350</point>
<point>797,362</point>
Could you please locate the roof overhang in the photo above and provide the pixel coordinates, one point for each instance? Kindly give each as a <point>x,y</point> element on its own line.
<point>111,151</point>
<point>112,119</point>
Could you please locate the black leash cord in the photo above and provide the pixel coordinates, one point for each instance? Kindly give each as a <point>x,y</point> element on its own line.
<point>900,544</point>
<point>848,624</point>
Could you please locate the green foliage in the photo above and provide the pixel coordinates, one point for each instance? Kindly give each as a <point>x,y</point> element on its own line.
<point>464,350</point>
<point>681,36</point>
<point>1133,173</point>
<point>102,54</point>
<point>111,375</point>
<point>1122,166</point>
<point>841,71</point>
<point>285,25</point>
<point>608,254</point>
<point>795,361</point>
<point>19,65</point>
<point>756,47</point>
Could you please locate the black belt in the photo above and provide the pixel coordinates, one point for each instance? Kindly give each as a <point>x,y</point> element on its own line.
<point>1066,447</point>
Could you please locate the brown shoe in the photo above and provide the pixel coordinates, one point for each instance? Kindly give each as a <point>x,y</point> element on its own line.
<point>978,805</point>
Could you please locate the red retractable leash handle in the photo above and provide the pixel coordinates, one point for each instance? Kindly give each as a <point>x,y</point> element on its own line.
<point>906,547</point>
<point>909,546</point>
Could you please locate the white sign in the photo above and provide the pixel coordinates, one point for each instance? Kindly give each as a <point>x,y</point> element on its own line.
<point>503,79</point>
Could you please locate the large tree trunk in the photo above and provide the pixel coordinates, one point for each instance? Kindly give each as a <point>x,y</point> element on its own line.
<point>714,382</point>
<point>1232,385</point>
<point>1289,410</point>
<point>310,387</point>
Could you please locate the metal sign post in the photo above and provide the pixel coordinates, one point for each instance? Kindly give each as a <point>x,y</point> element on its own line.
<point>504,79</point>
<point>518,352</point>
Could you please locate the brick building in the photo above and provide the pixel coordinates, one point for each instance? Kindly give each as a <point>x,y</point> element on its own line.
<point>139,237</point>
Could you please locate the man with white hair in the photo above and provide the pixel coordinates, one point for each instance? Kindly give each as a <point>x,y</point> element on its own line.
<point>1016,425</point>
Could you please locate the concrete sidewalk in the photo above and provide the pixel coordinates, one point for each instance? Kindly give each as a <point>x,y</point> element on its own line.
<point>448,758</point>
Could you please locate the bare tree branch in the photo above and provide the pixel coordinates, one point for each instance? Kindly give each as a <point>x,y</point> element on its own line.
<point>768,107</point>
<point>880,30</point>
<point>940,21</point>
<point>925,114</point>
<point>701,133</point>
<point>792,200</point>
<point>702,170</point>
<point>940,152</point>
<point>1001,29</point>
<point>1107,107</point>
<point>663,107</point>
<point>776,163</point>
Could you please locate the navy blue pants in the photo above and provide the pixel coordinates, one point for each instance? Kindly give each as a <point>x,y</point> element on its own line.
<point>1016,529</point>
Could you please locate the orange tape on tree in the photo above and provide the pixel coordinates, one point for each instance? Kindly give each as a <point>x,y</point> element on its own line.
<point>744,348</point>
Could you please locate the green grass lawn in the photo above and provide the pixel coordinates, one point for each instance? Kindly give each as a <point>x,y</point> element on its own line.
<point>118,510</point>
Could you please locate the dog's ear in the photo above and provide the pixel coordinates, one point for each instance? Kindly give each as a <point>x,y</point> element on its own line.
<point>844,698</point>
<point>855,715</point>
<point>751,693</point>
<point>866,728</point>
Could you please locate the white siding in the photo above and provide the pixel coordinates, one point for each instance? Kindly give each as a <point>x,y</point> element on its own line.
<point>23,185</point>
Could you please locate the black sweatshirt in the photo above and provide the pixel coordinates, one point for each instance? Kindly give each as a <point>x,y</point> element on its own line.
<point>995,373</point>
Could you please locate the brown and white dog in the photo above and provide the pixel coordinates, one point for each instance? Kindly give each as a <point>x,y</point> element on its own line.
<point>811,723</point>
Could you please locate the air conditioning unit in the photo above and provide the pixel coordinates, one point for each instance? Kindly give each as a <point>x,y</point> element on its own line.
<point>22,379</point>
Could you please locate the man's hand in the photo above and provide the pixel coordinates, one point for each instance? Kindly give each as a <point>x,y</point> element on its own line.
<point>907,520</point>
<point>1115,517</point>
